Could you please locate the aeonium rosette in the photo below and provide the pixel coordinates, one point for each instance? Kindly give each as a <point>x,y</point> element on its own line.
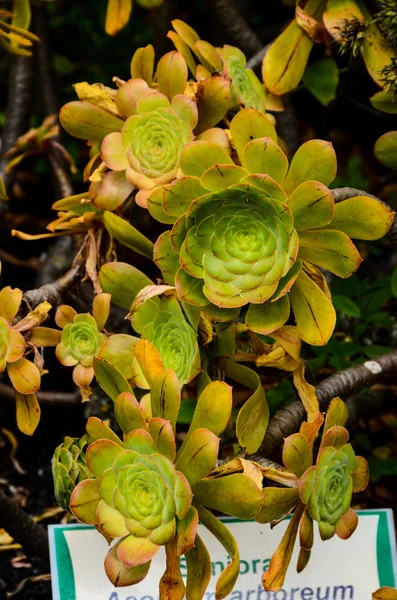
<point>145,494</point>
<point>151,141</point>
<point>256,233</point>
<point>82,339</point>
<point>163,323</point>
<point>319,492</point>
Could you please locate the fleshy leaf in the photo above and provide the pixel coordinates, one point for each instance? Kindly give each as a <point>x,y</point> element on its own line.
<point>84,501</point>
<point>361,475</point>
<point>119,574</point>
<point>236,495</point>
<point>211,415</point>
<point>198,457</point>
<point>111,380</point>
<point>347,524</point>
<point>125,233</point>
<point>297,455</point>
<point>362,218</point>
<point>273,578</point>
<point>228,577</point>
<point>186,530</point>
<point>123,282</point>
<point>314,160</point>
<point>28,412</point>
<point>314,314</point>
<point>172,585</point>
<point>142,64</point>
<point>276,503</point>
<point>250,124</point>
<point>117,15</point>
<point>172,74</point>
<point>286,59</point>
<point>312,205</point>
<point>214,94</point>
<point>199,570</point>
<point>98,430</point>
<point>197,157</point>
<point>165,396</point>
<point>128,412</point>
<point>253,416</point>
<point>86,121</point>
<point>101,454</point>
<point>265,156</point>
<point>24,376</point>
<point>331,250</point>
<point>269,316</point>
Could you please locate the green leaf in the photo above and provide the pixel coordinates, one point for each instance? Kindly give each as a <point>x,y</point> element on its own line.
<point>314,313</point>
<point>237,495</point>
<point>297,455</point>
<point>253,416</point>
<point>228,577</point>
<point>269,316</point>
<point>386,149</point>
<point>198,457</point>
<point>314,160</point>
<point>165,396</point>
<point>199,570</point>
<point>362,218</point>
<point>211,415</point>
<point>286,59</point>
<point>347,306</point>
<point>322,79</point>
<point>28,412</point>
<point>110,379</point>
<point>214,93</point>
<point>86,121</point>
<point>331,250</point>
<point>123,282</point>
<point>126,234</point>
<point>249,124</point>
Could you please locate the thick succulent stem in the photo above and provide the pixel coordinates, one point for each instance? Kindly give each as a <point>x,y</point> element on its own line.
<point>47,397</point>
<point>236,26</point>
<point>49,97</point>
<point>52,292</point>
<point>343,384</point>
<point>32,537</point>
<point>20,86</point>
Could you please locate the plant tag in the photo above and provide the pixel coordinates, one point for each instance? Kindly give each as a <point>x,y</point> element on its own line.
<point>338,570</point>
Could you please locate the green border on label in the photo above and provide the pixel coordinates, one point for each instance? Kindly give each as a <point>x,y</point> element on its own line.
<point>63,586</point>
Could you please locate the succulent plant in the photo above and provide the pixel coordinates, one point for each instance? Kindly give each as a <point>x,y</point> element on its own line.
<point>321,492</point>
<point>256,233</point>
<point>82,340</point>
<point>152,139</point>
<point>146,493</point>
<point>165,326</point>
<point>249,91</point>
<point>68,468</point>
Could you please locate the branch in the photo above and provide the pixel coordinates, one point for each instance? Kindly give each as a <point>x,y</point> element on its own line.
<point>256,61</point>
<point>347,192</point>
<point>50,397</point>
<point>343,384</point>
<point>49,97</point>
<point>20,87</point>
<point>23,530</point>
<point>236,26</point>
<point>52,292</point>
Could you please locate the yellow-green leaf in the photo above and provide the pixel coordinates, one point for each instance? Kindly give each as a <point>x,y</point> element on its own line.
<point>28,412</point>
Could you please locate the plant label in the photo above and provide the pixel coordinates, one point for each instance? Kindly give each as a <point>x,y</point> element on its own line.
<point>338,570</point>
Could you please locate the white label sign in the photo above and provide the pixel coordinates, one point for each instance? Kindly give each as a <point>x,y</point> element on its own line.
<point>338,570</point>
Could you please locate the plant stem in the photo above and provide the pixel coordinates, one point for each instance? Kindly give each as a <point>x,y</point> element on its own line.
<point>23,530</point>
<point>236,26</point>
<point>343,384</point>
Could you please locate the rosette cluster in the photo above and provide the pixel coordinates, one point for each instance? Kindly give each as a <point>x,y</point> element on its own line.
<point>175,340</point>
<point>257,233</point>
<point>327,488</point>
<point>68,468</point>
<point>151,141</point>
<point>82,340</point>
<point>319,492</point>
